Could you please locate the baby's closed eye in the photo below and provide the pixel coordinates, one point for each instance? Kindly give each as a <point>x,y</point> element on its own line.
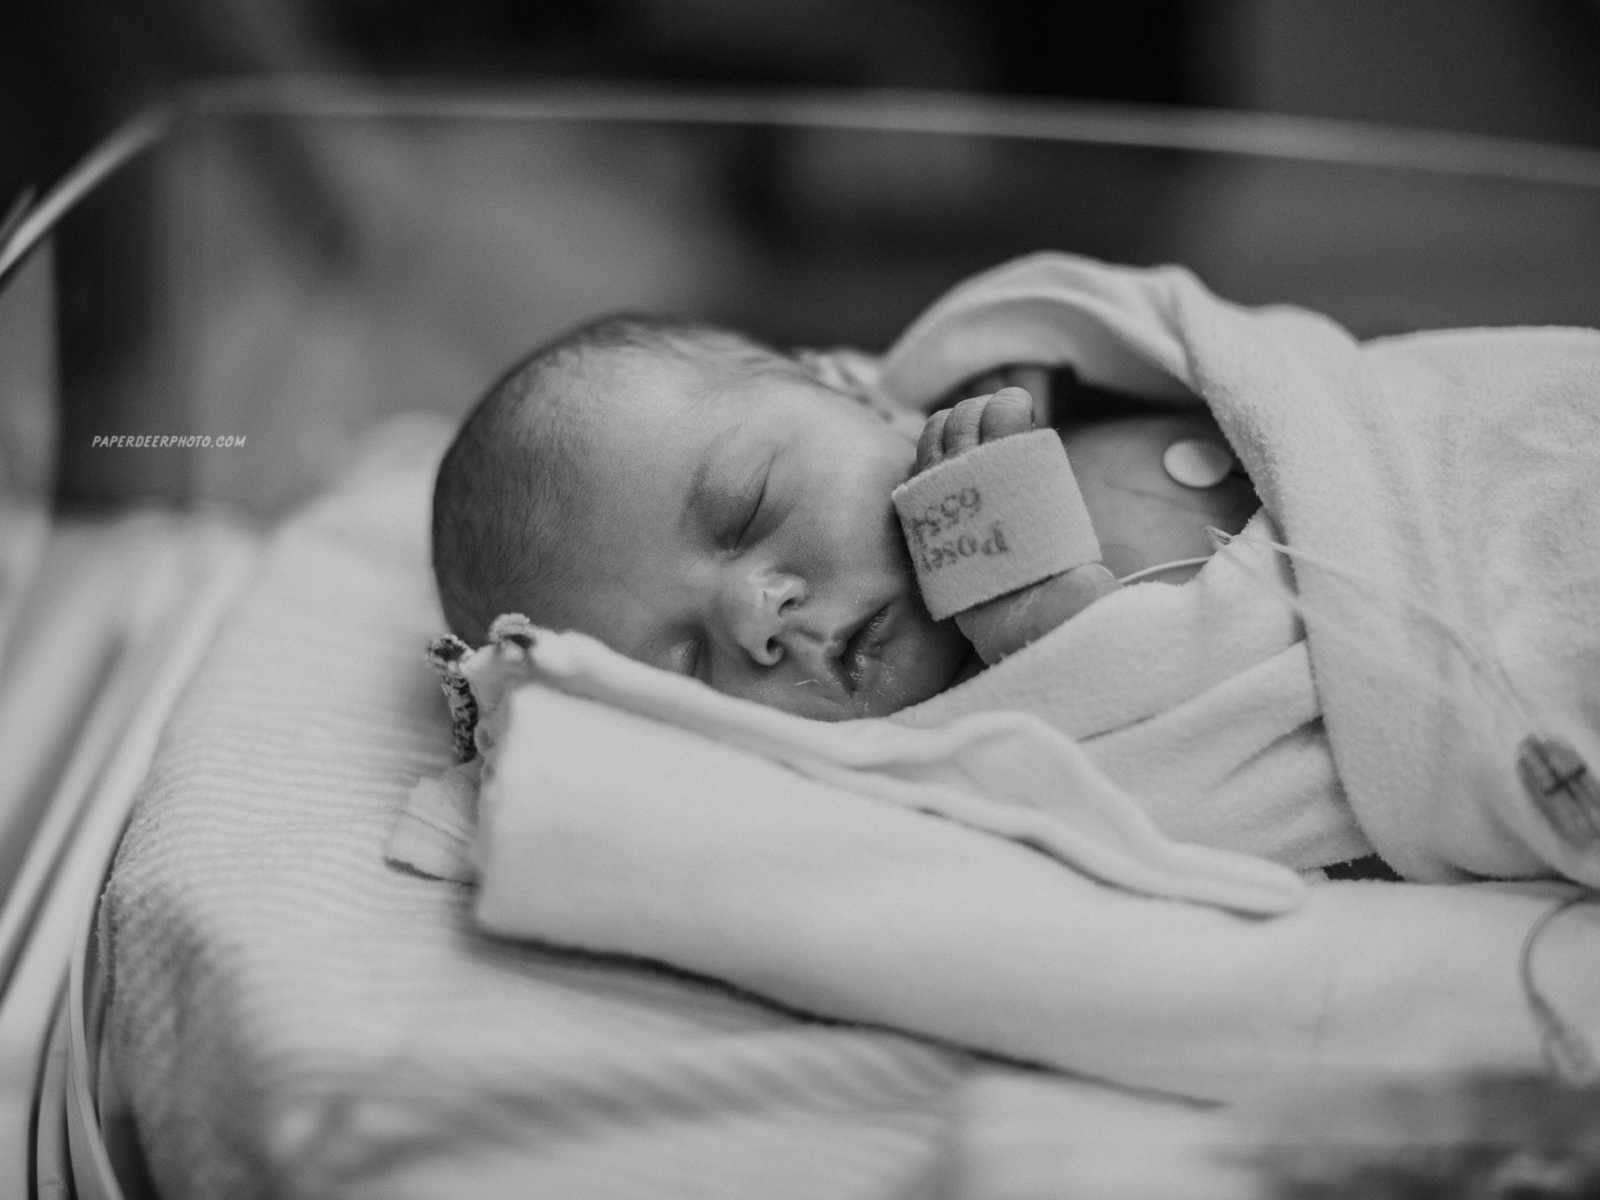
<point>748,513</point>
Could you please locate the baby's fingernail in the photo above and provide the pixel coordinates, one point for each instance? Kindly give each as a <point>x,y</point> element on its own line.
<point>1014,395</point>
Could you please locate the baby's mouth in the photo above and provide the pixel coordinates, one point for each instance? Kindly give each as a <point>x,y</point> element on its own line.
<point>856,659</point>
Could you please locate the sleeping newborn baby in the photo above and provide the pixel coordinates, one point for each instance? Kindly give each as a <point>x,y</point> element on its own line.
<point>709,506</point>
<point>1396,658</point>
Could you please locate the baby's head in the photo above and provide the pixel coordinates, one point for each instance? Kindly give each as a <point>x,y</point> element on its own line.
<point>697,502</point>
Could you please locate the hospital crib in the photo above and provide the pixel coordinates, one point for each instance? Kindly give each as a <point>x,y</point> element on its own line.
<point>219,269</point>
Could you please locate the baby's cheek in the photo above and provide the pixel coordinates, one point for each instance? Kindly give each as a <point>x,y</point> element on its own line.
<point>874,549</point>
<point>845,525</point>
<point>836,538</point>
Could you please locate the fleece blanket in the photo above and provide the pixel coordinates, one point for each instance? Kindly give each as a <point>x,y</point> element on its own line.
<point>614,825</point>
<point>1197,701</point>
<point>1004,774</point>
<point>1440,494</point>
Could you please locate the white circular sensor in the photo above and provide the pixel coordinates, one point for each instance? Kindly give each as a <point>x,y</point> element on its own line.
<point>1197,463</point>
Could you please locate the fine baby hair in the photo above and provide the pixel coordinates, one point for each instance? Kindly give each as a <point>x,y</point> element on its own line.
<point>506,486</point>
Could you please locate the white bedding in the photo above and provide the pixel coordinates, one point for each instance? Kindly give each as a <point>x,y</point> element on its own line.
<point>291,1016</point>
<point>811,872</point>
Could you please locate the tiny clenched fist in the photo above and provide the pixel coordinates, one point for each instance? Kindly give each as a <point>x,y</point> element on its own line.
<point>972,423</point>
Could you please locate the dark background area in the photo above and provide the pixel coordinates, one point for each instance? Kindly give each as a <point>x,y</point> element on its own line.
<point>255,273</point>
<point>73,69</point>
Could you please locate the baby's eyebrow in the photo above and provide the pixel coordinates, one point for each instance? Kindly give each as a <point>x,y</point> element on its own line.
<point>705,502</point>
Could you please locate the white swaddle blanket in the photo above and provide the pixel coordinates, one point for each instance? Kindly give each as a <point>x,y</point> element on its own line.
<point>1197,701</point>
<point>1456,473</point>
<point>604,828</point>
<point>1458,469</point>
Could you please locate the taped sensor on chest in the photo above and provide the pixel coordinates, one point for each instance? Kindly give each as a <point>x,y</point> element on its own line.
<point>1153,476</point>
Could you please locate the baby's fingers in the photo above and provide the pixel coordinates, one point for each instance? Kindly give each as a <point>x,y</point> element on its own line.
<point>1009,411</point>
<point>986,418</point>
<point>976,420</point>
<point>930,446</point>
<point>961,430</point>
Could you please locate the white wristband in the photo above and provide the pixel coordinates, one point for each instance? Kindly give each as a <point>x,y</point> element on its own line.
<point>993,520</point>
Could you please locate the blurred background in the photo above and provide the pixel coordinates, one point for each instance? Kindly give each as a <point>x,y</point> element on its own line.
<point>71,69</point>
<point>292,281</point>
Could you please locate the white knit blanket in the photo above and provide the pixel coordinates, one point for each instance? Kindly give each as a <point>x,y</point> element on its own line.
<point>291,1017</point>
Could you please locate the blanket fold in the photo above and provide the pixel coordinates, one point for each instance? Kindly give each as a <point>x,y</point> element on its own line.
<point>834,905</point>
<point>1005,774</point>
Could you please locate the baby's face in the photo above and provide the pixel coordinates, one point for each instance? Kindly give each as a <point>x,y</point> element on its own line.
<point>747,539</point>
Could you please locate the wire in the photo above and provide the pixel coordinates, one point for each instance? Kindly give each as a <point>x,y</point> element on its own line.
<point>1567,1052</point>
<point>1163,568</point>
<point>1486,670</point>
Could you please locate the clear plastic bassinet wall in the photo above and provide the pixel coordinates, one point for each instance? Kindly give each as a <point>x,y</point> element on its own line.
<point>274,269</point>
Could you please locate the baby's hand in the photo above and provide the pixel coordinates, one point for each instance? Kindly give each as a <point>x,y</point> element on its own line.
<point>1005,624</point>
<point>968,425</point>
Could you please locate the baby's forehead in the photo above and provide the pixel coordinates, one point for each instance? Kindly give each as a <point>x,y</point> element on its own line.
<point>583,410</point>
<point>617,384</point>
<point>604,398</point>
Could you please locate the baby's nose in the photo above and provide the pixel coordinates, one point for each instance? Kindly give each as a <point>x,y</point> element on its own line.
<point>762,614</point>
